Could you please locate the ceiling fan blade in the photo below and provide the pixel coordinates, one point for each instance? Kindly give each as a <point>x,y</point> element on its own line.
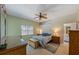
<point>44,17</point>
<point>45,14</point>
<point>36,17</point>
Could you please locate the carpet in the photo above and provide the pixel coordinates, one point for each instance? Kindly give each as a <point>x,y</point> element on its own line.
<point>52,47</point>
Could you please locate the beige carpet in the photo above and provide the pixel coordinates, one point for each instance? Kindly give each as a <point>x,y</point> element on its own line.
<point>62,50</point>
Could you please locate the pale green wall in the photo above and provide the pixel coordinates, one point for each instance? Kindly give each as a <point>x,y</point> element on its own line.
<point>14,25</point>
<point>13,29</point>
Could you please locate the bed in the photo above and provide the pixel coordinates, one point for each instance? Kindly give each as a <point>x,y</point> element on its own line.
<point>43,39</point>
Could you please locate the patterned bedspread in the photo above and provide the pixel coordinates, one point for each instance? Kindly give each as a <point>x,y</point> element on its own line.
<point>43,40</point>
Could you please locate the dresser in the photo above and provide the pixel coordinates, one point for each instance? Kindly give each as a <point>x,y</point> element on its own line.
<point>74,42</point>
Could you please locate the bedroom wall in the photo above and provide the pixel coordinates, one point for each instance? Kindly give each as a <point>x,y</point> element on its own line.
<point>14,25</point>
<point>78,16</point>
<point>58,24</point>
<point>13,29</point>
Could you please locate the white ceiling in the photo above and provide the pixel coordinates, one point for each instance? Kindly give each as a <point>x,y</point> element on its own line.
<point>28,11</point>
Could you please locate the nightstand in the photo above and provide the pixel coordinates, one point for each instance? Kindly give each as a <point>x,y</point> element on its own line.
<point>56,39</point>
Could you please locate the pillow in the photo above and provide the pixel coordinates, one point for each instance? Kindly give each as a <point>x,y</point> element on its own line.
<point>46,34</point>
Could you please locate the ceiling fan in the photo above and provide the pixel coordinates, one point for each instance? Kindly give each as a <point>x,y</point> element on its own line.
<point>41,16</point>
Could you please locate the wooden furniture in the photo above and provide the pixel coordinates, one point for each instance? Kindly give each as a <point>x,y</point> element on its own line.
<point>56,39</point>
<point>19,50</point>
<point>74,42</point>
<point>34,43</point>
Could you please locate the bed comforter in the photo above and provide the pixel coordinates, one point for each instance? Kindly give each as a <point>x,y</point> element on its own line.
<point>43,40</point>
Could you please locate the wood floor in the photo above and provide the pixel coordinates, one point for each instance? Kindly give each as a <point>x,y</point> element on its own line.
<point>19,50</point>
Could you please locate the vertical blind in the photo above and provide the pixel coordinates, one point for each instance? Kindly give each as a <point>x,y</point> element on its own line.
<point>26,30</point>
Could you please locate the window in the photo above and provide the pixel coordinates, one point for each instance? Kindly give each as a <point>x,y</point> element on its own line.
<point>26,30</point>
